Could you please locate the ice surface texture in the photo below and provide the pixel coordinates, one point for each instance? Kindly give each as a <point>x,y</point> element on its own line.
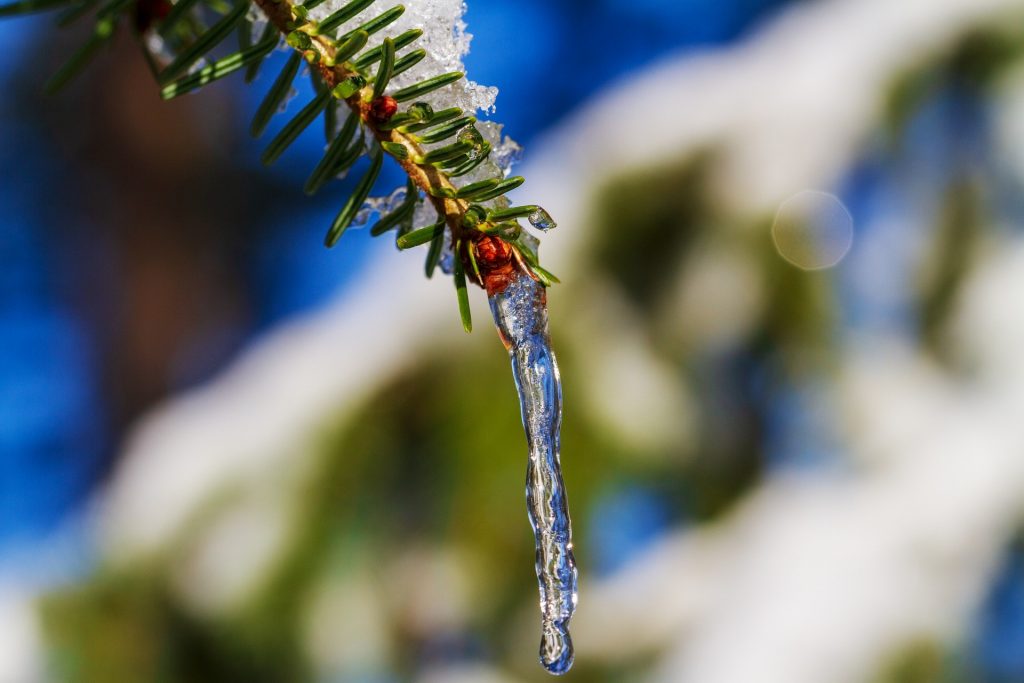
<point>520,313</point>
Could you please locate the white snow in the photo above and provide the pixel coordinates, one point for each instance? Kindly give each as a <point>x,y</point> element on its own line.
<point>444,39</point>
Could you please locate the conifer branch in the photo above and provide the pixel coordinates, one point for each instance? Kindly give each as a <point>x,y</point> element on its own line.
<point>487,241</point>
<point>426,177</point>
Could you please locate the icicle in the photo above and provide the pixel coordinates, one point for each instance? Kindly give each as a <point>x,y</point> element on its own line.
<point>520,313</point>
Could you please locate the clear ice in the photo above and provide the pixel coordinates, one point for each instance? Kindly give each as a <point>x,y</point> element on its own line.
<point>520,313</point>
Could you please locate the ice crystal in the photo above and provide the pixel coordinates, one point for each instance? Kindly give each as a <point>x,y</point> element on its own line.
<point>425,213</point>
<point>505,152</point>
<point>446,43</point>
<point>378,205</point>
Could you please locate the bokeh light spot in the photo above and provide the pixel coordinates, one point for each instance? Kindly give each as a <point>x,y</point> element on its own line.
<point>813,230</point>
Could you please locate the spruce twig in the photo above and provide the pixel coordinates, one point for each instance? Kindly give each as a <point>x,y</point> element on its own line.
<point>424,177</point>
<point>343,78</point>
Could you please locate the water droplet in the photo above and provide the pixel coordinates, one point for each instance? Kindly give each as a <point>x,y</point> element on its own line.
<point>520,314</point>
<point>542,220</point>
<point>556,650</point>
<point>471,135</point>
<point>421,111</point>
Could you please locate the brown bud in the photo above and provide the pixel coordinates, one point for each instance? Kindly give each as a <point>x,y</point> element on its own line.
<point>383,108</point>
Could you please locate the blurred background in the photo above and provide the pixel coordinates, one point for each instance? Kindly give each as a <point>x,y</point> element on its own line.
<point>791,332</point>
